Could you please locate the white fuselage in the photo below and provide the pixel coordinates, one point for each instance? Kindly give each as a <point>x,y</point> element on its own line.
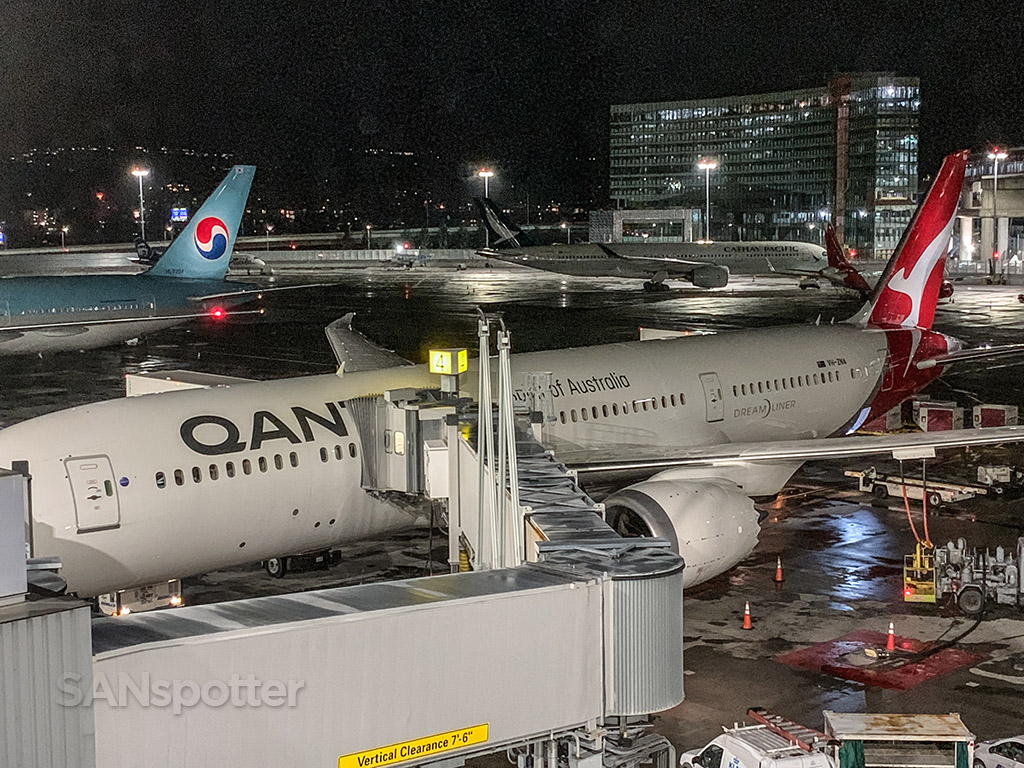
<point>122,499</point>
<point>641,260</point>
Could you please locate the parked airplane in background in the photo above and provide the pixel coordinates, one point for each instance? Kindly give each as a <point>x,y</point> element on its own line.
<point>234,474</point>
<point>51,313</point>
<point>706,265</point>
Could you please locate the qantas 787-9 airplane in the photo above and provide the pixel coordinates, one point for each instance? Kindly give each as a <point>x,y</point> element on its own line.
<point>143,489</point>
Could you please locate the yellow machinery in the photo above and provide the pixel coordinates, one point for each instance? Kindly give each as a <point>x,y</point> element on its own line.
<point>919,575</point>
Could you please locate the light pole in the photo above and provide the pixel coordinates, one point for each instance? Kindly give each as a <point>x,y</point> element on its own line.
<point>269,228</point>
<point>995,156</point>
<point>140,174</point>
<point>567,226</point>
<point>707,165</point>
<point>484,174</point>
<point>63,231</point>
<point>368,228</point>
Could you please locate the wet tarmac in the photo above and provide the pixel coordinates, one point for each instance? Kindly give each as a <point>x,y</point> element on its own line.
<point>842,556</point>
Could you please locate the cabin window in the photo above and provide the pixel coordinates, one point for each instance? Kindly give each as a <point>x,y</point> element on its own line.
<point>791,384</point>
<point>278,461</point>
<point>636,407</point>
<point>672,397</point>
<point>214,472</point>
<point>654,403</point>
<point>229,469</point>
<point>735,392</point>
<point>337,452</point>
<point>615,409</point>
<point>572,415</point>
<point>682,399</point>
<point>583,414</point>
<point>246,467</point>
<point>644,404</point>
<point>179,477</point>
<point>293,459</point>
<point>197,475</point>
<point>816,379</point>
<point>561,416</point>
<point>604,410</point>
<point>161,480</point>
<point>777,385</point>
<point>664,401</point>
<point>593,411</point>
<point>323,455</point>
<point>783,383</point>
<point>352,450</point>
<point>262,463</point>
<point>760,388</point>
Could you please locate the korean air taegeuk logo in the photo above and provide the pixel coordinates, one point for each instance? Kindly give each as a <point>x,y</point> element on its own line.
<point>211,238</point>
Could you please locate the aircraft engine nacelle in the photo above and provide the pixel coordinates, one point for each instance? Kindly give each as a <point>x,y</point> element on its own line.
<point>710,276</point>
<point>711,523</point>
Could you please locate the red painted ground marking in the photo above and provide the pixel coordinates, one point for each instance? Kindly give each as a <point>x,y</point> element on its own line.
<point>892,672</point>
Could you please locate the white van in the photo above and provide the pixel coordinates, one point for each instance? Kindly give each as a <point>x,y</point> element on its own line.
<point>753,746</point>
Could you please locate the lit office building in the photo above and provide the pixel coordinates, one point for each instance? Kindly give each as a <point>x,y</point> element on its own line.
<point>788,163</point>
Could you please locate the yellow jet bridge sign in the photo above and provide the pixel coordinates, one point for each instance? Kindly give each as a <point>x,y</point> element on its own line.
<point>417,749</point>
<point>449,362</point>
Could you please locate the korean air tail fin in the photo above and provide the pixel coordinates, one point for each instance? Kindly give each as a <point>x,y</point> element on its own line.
<point>203,249</point>
<point>504,234</point>
<point>908,290</point>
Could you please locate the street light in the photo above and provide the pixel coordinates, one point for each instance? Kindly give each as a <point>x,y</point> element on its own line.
<point>995,156</point>
<point>484,174</point>
<point>368,228</point>
<point>707,165</point>
<point>140,174</point>
<point>269,228</point>
<point>63,231</point>
<point>567,226</point>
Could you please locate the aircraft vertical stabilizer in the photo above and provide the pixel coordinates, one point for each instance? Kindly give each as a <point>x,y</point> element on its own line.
<point>204,247</point>
<point>907,292</point>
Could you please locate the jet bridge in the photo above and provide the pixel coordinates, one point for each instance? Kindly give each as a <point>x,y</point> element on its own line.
<point>556,646</point>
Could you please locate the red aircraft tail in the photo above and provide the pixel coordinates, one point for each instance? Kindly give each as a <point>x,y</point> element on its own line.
<point>907,292</point>
<point>837,260</point>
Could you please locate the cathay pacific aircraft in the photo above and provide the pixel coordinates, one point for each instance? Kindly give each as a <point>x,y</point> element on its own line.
<point>705,264</point>
<point>51,314</point>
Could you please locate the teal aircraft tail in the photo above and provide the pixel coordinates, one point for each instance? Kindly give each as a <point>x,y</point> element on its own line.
<point>204,247</point>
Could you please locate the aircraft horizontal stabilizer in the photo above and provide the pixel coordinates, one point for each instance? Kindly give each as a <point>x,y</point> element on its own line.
<point>642,458</point>
<point>354,352</point>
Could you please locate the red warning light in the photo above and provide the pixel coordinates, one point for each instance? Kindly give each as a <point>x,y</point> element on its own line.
<point>406,246</point>
<point>294,247</point>
<point>853,253</point>
<point>908,592</point>
<point>218,313</point>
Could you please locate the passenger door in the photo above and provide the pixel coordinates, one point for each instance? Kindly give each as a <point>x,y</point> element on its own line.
<point>94,490</point>
<point>713,396</point>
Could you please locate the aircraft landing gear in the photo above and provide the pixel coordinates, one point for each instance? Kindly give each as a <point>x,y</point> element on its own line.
<point>652,287</point>
<point>276,567</point>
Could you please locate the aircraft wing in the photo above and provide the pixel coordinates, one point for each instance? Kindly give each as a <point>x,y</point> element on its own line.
<point>654,263</point>
<point>80,326</point>
<point>900,446</point>
<point>355,352</point>
<point>256,293</point>
<point>975,353</point>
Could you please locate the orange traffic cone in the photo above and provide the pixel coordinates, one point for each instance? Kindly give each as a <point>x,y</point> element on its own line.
<point>746,616</point>
<point>890,640</point>
<point>778,569</point>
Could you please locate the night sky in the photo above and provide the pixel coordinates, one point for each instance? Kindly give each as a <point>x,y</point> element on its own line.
<point>524,86</point>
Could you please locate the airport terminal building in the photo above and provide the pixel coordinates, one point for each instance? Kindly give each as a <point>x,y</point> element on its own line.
<point>788,162</point>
